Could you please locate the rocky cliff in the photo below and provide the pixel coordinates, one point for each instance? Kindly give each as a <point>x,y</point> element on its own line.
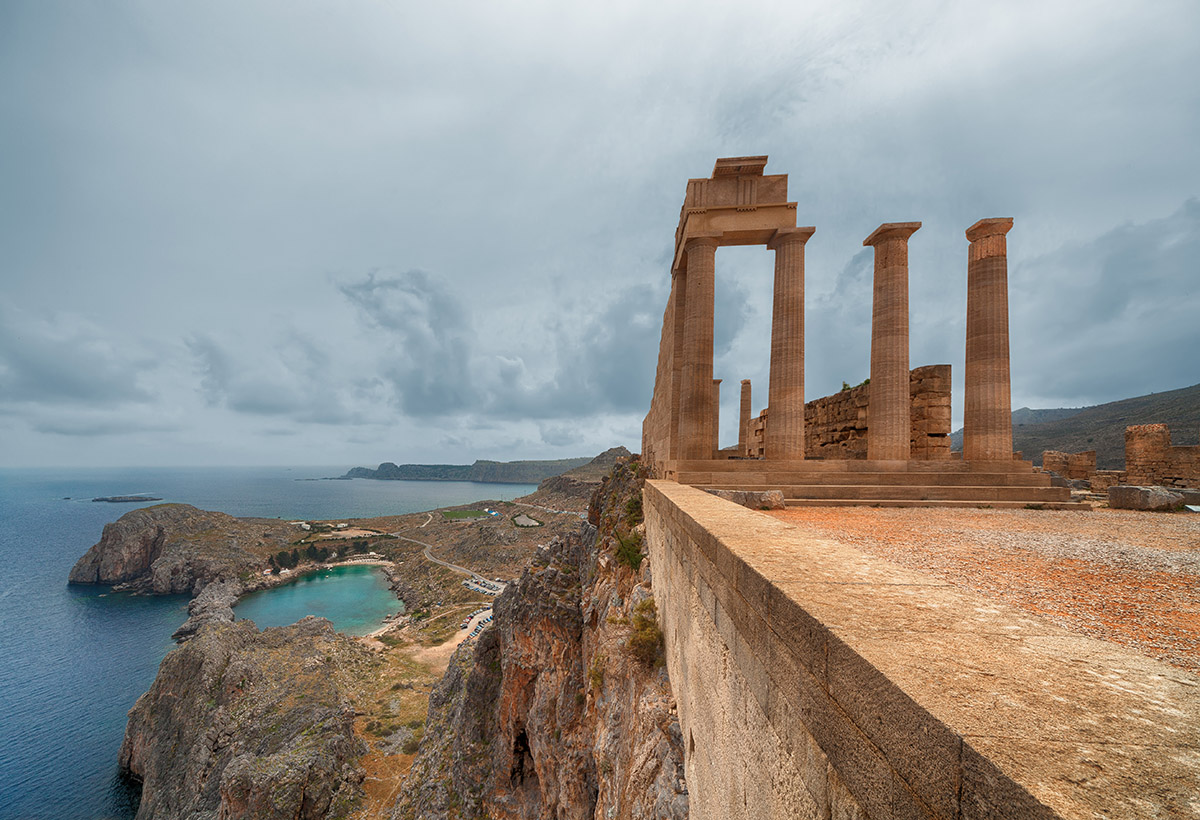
<point>562,708</point>
<point>177,548</point>
<point>247,724</point>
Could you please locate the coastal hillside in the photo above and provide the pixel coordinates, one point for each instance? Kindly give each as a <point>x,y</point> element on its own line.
<point>563,707</point>
<point>573,489</point>
<point>1102,427</point>
<point>494,472</point>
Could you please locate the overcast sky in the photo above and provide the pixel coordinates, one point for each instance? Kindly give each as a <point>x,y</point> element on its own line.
<point>350,232</point>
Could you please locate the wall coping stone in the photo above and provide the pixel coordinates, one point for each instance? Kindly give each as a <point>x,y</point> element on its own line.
<point>978,709</point>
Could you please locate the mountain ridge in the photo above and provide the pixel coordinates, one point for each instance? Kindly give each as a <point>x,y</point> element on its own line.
<point>1101,427</point>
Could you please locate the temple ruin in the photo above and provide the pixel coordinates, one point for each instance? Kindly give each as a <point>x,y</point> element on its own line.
<point>884,444</point>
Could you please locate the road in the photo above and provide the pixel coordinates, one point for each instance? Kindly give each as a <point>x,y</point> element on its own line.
<point>447,564</point>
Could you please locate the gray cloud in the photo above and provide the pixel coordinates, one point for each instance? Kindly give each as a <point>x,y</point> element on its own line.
<point>426,339</point>
<point>215,173</point>
<point>64,359</point>
<point>1122,308</point>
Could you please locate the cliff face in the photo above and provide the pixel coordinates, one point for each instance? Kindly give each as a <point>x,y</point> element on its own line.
<point>176,548</point>
<point>562,708</point>
<point>247,724</point>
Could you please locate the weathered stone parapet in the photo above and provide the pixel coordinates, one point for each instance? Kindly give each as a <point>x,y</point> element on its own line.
<point>813,680</point>
<point>888,426</point>
<point>987,415</point>
<point>785,439</point>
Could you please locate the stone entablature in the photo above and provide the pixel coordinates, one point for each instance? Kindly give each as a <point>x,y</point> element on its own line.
<point>836,426</point>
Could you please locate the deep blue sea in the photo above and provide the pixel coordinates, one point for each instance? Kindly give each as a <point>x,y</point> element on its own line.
<point>74,659</point>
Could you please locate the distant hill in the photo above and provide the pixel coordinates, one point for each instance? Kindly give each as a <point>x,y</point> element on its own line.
<point>492,472</point>
<point>1102,427</point>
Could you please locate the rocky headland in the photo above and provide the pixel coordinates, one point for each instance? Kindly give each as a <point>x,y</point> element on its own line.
<point>247,724</point>
<point>177,548</point>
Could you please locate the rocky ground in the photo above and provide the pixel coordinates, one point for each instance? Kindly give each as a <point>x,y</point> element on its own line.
<point>1125,576</point>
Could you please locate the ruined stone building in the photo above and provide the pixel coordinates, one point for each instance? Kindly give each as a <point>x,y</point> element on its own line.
<point>883,443</point>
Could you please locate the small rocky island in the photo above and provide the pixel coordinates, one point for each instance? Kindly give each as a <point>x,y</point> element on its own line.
<point>126,499</point>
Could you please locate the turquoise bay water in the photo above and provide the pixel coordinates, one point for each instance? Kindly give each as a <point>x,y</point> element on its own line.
<point>74,659</point>
<point>355,598</point>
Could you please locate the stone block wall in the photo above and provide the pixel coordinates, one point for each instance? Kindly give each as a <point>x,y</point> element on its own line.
<point>815,681</point>
<point>835,427</point>
<point>1080,466</point>
<point>1150,458</point>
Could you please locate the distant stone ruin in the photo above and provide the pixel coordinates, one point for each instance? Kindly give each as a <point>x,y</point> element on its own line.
<point>1150,460</point>
<point>886,442</point>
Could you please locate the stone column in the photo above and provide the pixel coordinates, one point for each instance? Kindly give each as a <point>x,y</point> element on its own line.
<point>889,424</point>
<point>695,412</point>
<point>987,416</point>
<point>716,415</point>
<point>678,311</point>
<point>785,392</point>
<point>744,421</point>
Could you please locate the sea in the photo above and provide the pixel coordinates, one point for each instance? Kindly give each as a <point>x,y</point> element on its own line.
<point>74,659</point>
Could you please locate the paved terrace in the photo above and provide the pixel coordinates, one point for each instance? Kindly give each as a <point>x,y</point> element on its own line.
<point>816,679</point>
<point>1124,576</point>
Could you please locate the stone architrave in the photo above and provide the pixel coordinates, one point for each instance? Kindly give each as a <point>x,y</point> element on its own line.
<point>987,406</point>
<point>888,415</point>
<point>744,421</point>
<point>696,411</point>
<point>716,415</point>
<point>785,393</point>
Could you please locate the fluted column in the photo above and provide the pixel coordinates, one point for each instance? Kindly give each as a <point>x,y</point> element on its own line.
<point>987,417</point>
<point>744,421</point>
<point>678,312</point>
<point>785,392</point>
<point>716,415</point>
<point>695,412</point>
<point>889,423</point>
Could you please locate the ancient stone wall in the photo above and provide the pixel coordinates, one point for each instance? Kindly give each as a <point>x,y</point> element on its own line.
<point>1150,459</point>
<point>1081,466</point>
<point>813,680</point>
<point>836,426</point>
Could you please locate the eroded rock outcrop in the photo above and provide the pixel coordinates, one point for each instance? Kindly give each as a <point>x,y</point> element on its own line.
<point>247,724</point>
<point>562,708</point>
<point>177,548</point>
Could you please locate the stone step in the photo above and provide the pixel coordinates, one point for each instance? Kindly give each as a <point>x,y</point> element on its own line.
<point>902,502</point>
<point>849,465</point>
<point>911,492</point>
<point>752,481</point>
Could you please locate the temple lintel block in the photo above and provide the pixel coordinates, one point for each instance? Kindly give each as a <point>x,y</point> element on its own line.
<point>891,230</point>
<point>739,166</point>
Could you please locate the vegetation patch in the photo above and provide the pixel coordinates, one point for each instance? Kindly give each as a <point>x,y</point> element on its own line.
<point>646,640</point>
<point>629,550</point>
<point>455,514</point>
